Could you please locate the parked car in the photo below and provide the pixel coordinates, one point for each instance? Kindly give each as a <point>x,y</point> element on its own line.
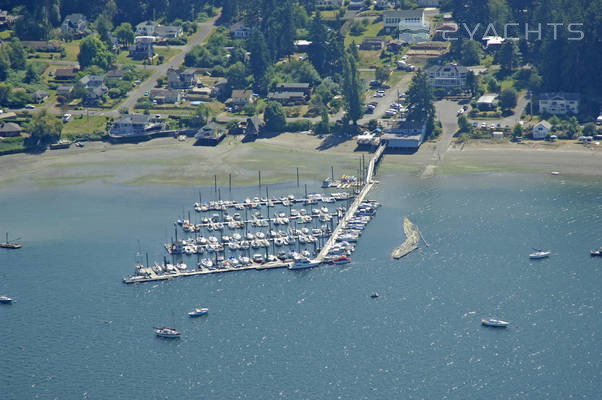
<point>483,125</point>
<point>492,126</point>
<point>30,106</point>
<point>386,86</point>
<point>475,124</point>
<point>146,93</point>
<point>66,117</point>
<point>460,111</point>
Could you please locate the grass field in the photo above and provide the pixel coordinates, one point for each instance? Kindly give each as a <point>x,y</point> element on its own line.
<point>83,128</point>
<point>71,50</point>
<point>11,144</point>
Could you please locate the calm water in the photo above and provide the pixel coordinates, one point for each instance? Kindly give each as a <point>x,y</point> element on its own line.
<point>78,332</point>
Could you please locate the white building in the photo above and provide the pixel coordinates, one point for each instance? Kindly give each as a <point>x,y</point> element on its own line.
<point>240,31</point>
<point>403,135</point>
<point>541,130</point>
<point>329,3</point>
<point>559,103</point>
<point>405,20</point>
<point>449,76</point>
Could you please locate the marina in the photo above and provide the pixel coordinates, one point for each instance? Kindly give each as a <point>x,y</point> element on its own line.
<point>265,233</point>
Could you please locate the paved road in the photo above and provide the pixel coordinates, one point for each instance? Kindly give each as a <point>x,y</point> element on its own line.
<point>384,103</point>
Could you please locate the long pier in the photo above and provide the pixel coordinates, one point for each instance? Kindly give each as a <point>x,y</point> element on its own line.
<point>353,207</point>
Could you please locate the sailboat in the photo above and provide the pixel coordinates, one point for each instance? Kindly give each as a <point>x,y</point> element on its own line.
<point>9,245</point>
<point>169,333</point>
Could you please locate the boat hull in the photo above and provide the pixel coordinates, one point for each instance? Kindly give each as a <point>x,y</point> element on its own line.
<point>494,323</point>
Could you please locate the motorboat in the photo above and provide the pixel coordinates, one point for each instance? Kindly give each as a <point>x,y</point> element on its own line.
<point>169,333</point>
<point>206,263</point>
<point>539,254</point>
<point>6,300</point>
<point>198,312</point>
<point>596,253</point>
<point>374,295</point>
<point>341,260</point>
<point>303,263</point>
<point>495,323</point>
<point>258,258</point>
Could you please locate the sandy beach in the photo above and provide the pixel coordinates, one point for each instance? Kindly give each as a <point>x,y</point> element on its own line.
<point>167,161</point>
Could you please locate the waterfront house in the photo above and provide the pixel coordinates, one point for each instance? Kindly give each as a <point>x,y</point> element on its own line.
<point>163,96</point>
<point>10,129</point>
<point>210,135</point>
<point>74,25</point>
<point>404,135</point>
<point>65,74</point>
<point>240,98</point>
<point>131,125</point>
<point>447,77</point>
<point>253,126</point>
<point>39,96</point>
<point>541,130</point>
<point>487,101</point>
<point>394,45</point>
<point>240,31</point>
<point>559,103</point>
<point>356,4</point>
<point>94,95</point>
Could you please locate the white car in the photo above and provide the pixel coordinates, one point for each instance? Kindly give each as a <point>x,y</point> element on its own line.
<point>391,112</point>
<point>66,117</point>
<point>492,126</point>
<point>461,111</point>
<point>30,106</point>
<point>483,125</point>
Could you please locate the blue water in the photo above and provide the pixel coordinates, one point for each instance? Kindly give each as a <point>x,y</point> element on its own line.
<point>77,332</point>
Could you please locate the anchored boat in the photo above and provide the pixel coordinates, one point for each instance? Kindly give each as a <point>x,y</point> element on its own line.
<point>495,323</point>
<point>10,245</point>
<point>198,312</point>
<point>539,254</point>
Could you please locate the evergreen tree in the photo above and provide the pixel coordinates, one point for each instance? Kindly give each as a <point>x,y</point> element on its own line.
<point>318,49</point>
<point>94,52</point>
<point>44,129</point>
<point>352,90</point>
<point>17,54</point>
<point>420,99</point>
<point>472,83</point>
<point>275,117</point>
<point>125,34</point>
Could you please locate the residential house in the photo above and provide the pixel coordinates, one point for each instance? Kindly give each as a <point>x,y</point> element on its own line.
<point>162,96</point>
<point>39,96</point>
<point>92,81</point>
<point>115,74</point>
<point>240,31</point>
<point>294,87</point>
<point>210,134</point>
<point>447,77</point>
<point>492,42</point>
<point>404,135</point>
<point>253,126</point>
<point>328,4</point>
<point>43,45</point>
<point>287,98</point>
<point>168,31</point>
<point>487,101</point>
<point>219,88</point>
<point>541,130</point>
<point>394,45</point>
<point>65,74</point>
<point>559,103</point>
<point>64,91</point>
<point>146,28</point>
<point>240,98</point>
<point>133,125</point>
<point>10,129</point>
<point>372,43</point>
<point>411,25</point>
<point>177,79</point>
<point>382,4</point>
<point>74,25</point>
<point>142,48</point>
<point>428,3</point>
<point>95,89</point>
<point>356,4</point>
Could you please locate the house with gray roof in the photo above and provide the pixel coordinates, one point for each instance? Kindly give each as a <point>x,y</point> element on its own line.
<point>74,25</point>
<point>132,125</point>
<point>10,129</point>
<point>447,77</point>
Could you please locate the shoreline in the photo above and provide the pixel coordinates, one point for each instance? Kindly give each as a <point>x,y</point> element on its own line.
<point>166,161</point>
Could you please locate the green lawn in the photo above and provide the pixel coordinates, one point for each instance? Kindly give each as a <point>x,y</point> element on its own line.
<point>12,144</point>
<point>372,30</point>
<point>83,128</point>
<point>71,50</point>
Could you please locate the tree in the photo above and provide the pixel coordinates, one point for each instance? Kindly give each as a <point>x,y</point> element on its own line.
<point>381,74</point>
<point>201,115</point>
<point>104,26</point>
<point>463,123</point>
<point>589,129</point>
<point>318,49</point>
<point>275,117</point>
<point>324,125</point>
<point>354,51</point>
<point>5,90</point>
<point>471,52</point>
<point>44,129</point>
<point>420,98</point>
<point>237,76</point>
<point>508,55</point>
<point>18,98</point>
<point>260,59</point>
<point>17,54</point>
<point>92,51</point>
<point>472,83</point>
<point>517,131</point>
<point>4,64</point>
<point>508,98</point>
<point>125,34</point>
<point>31,75</point>
<point>352,90</point>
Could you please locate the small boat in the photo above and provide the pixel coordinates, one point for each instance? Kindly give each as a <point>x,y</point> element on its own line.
<point>198,312</point>
<point>10,245</point>
<point>341,260</point>
<point>374,295</point>
<point>495,323</point>
<point>555,173</point>
<point>539,254</point>
<point>596,253</point>
<point>6,300</point>
<point>258,258</point>
<point>169,333</point>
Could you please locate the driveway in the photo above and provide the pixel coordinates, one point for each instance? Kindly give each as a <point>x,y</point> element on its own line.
<point>446,112</point>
